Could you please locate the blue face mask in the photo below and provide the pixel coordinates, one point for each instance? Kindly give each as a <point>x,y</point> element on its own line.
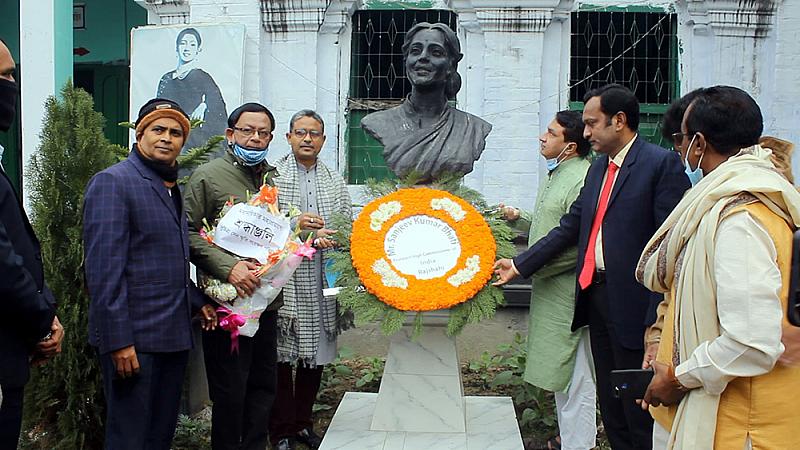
<point>552,163</point>
<point>250,156</point>
<point>695,175</point>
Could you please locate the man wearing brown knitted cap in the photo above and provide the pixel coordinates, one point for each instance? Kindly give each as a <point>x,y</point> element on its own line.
<point>136,248</point>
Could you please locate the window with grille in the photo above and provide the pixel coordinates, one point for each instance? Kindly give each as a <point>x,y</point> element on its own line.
<point>378,81</point>
<point>637,49</point>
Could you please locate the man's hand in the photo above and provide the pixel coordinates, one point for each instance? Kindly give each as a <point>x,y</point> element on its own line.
<point>310,221</point>
<point>52,346</point>
<point>664,388</point>
<point>125,361</point>
<point>791,340</point>
<point>208,317</point>
<point>323,238</point>
<point>509,212</point>
<point>504,269</point>
<point>649,355</point>
<point>243,280</point>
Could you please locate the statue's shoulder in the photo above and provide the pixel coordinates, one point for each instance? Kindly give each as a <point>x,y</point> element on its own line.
<point>382,124</point>
<point>380,118</point>
<point>472,121</point>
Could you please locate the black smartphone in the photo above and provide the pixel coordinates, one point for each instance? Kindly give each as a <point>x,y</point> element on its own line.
<point>630,384</point>
<point>793,313</point>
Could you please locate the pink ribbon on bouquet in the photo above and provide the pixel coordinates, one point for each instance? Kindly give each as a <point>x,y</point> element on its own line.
<point>231,323</point>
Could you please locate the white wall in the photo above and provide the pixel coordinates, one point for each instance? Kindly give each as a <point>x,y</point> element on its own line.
<point>515,70</point>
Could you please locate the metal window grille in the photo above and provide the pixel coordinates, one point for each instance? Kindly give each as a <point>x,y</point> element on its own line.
<point>377,70</point>
<point>378,81</point>
<point>635,49</point>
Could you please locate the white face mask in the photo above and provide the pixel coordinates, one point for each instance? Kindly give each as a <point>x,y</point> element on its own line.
<point>552,163</point>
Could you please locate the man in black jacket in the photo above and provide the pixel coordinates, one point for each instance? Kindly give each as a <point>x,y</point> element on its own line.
<point>30,332</point>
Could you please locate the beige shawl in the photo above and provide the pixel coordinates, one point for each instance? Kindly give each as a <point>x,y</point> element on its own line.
<point>682,253</point>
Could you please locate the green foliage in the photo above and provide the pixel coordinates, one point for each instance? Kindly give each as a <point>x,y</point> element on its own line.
<point>372,372</point>
<point>65,396</point>
<point>482,306</point>
<point>368,308</point>
<point>505,370</point>
<point>198,155</point>
<point>192,433</point>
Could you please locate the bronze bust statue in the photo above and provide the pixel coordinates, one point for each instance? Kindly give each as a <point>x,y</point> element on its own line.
<point>424,134</point>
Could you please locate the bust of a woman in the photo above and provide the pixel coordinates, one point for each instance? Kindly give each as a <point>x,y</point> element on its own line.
<point>424,134</point>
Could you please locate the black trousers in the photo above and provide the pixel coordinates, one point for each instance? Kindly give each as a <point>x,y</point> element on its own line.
<point>241,385</point>
<point>10,416</point>
<point>294,402</point>
<point>143,410</point>
<point>626,425</point>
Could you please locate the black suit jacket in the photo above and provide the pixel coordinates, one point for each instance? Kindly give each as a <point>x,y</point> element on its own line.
<point>27,305</point>
<point>649,184</point>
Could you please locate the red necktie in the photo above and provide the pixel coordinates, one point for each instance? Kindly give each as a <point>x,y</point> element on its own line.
<point>589,263</point>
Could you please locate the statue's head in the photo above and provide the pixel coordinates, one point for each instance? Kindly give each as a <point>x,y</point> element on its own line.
<point>431,53</point>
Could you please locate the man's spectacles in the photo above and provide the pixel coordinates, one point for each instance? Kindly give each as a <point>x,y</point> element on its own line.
<point>248,132</point>
<point>302,132</point>
<point>677,140</point>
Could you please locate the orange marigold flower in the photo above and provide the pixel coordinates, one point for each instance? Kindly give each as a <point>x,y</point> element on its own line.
<point>471,272</point>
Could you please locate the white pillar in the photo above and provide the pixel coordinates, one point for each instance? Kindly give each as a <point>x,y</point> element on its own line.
<point>37,75</point>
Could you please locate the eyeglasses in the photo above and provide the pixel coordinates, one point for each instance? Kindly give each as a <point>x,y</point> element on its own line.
<point>677,140</point>
<point>302,132</point>
<point>248,132</point>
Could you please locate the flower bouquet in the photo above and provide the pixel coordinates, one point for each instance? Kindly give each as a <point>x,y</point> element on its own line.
<point>255,230</point>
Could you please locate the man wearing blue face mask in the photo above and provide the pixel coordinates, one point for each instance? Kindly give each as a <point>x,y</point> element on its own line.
<point>559,360</point>
<point>241,385</point>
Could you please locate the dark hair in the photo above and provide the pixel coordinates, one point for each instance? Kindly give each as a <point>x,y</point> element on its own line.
<point>186,31</point>
<point>251,107</point>
<point>306,113</point>
<point>451,44</point>
<point>727,116</point>
<point>616,98</point>
<point>671,122</point>
<point>573,130</point>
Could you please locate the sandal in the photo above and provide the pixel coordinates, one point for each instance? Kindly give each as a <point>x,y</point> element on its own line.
<point>554,443</point>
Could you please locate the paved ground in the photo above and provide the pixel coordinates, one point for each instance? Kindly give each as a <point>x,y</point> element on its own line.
<point>474,340</point>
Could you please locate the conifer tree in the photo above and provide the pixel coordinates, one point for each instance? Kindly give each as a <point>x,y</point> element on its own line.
<point>64,405</point>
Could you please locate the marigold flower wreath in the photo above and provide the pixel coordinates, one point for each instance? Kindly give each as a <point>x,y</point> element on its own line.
<point>374,289</point>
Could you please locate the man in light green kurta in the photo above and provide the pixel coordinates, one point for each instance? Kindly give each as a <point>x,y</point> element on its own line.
<point>559,360</point>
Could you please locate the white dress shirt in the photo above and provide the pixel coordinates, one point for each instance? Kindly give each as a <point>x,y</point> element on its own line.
<point>748,283</point>
<point>599,261</point>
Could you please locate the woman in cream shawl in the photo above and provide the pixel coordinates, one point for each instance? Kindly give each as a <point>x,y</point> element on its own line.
<point>722,257</point>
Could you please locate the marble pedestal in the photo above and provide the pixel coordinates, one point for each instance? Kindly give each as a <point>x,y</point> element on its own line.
<point>420,405</point>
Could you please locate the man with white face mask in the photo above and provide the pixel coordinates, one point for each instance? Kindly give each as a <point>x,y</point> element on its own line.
<point>559,360</point>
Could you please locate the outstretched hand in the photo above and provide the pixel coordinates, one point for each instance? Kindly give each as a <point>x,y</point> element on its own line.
<point>505,271</point>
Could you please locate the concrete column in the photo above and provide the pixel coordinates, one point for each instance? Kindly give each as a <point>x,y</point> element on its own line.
<point>290,65</point>
<point>46,65</point>
<point>248,13</point>
<point>513,39</point>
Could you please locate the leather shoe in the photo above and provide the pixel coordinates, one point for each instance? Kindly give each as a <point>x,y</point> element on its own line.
<point>285,444</point>
<point>308,437</point>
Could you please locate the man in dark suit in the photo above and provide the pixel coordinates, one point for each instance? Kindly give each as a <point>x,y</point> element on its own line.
<point>30,332</point>
<point>629,191</point>
<point>137,271</point>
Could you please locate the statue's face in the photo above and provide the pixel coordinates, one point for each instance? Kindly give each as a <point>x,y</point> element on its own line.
<point>427,61</point>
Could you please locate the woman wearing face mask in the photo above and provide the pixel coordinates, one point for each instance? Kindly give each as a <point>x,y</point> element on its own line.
<point>194,90</point>
<point>723,257</point>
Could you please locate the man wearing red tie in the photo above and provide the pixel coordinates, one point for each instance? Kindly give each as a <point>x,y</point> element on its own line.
<point>629,190</point>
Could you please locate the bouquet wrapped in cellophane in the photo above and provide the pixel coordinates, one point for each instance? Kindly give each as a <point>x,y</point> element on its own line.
<point>257,231</point>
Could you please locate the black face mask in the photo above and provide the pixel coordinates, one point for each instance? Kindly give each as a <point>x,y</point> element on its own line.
<point>8,103</point>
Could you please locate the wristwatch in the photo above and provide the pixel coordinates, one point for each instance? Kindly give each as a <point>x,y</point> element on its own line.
<point>46,337</point>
